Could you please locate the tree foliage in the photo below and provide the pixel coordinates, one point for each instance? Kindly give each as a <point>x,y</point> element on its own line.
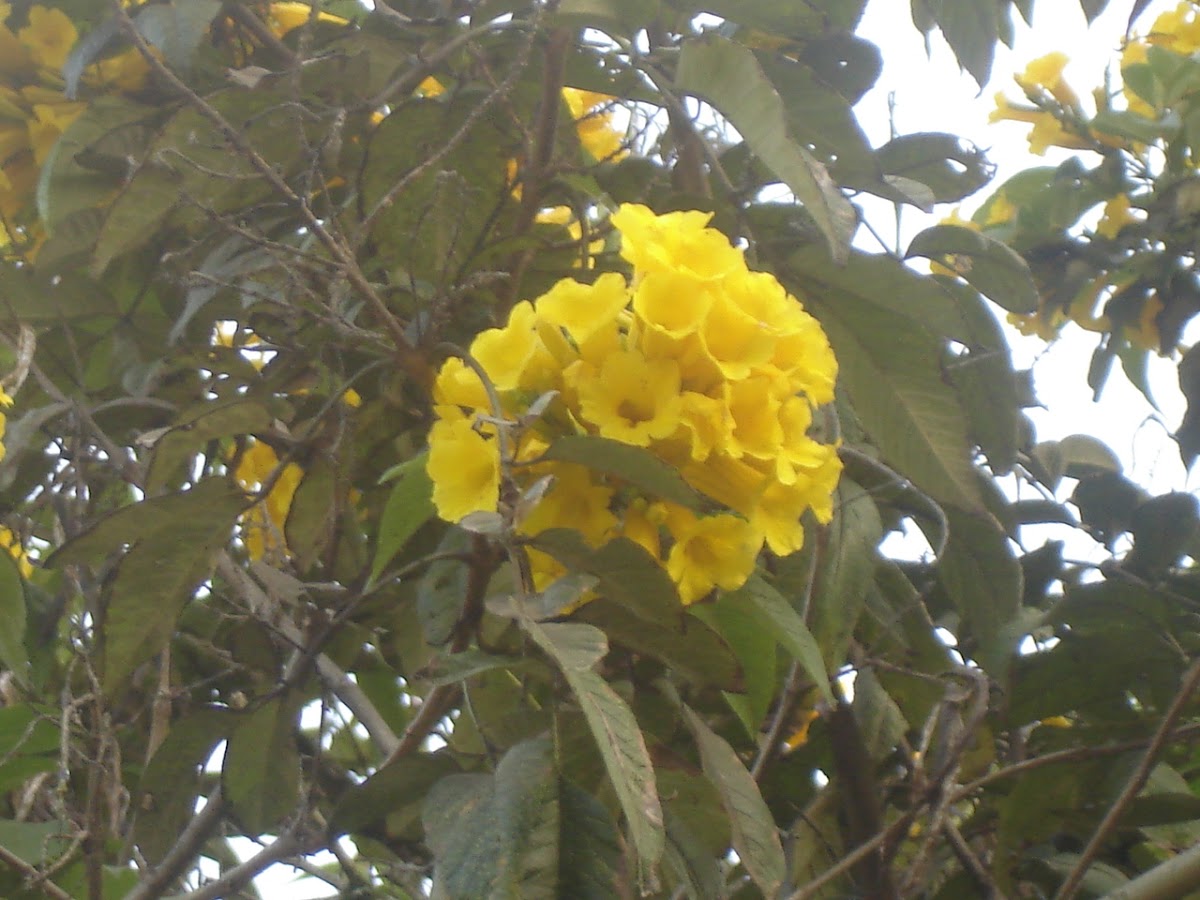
<point>450,448</point>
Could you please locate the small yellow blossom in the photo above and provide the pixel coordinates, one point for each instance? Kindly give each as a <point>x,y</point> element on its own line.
<point>1045,73</point>
<point>584,309</point>
<point>514,356</point>
<point>263,525</point>
<point>285,17</point>
<point>1116,216</point>
<point>49,37</point>
<point>593,123</point>
<point>677,242</point>
<point>464,467</point>
<point>9,542</point>
<point>714,551</point>
<point>630,398</point>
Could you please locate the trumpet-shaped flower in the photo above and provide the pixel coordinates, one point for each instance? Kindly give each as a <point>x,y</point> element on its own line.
<point>678,242</point>
<point>631,398</point>
<point>514,356</point>
<point>584,309</point>
<point>49,36</point>
<point>577,498</point>
<point>464,467</point>
<point>1046,72</point>
<point>713,551</point>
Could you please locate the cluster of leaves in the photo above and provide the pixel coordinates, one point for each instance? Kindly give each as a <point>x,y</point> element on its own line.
<point>225,304</point>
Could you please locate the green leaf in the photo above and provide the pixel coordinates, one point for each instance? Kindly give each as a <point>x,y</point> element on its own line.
<point>409,506</point>
<point>176,28</point>
<point>789,629</point>
<point>171,781</point>
<point>844,571</point>
<point>693,865</point>
<point>890,367</point>
<point>790,19</point>
<point>390,790</point>
<point>483,829</point>
<point>440,591</point>
<point>13,654</point>
<point>449,210</point>
<point>451,668</point>
<point>261,772</point>
<point>948,166</point>
<point>982,372</point>
<point>690,647</point>
<point>34,299</point>
<point>728,76</point>
<point>754,835</point>
<point>636,465</point>
<point>589,847</point>
<point>627,574</point>
<point>312,514</point>
<point>971,28</point>
<point>994,269</point>
<point>194,428</point>
<point>158,576</point>
<point>627,15</point>
<point>749,633</point>
<point>618,737</point>
<point>980,572</point>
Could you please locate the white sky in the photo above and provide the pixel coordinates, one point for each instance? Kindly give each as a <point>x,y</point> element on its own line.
<point>931,95</point>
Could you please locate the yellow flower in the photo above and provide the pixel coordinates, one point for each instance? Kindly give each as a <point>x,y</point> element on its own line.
<point>630,398</point>
<point>707,424</point>
<point>1043,323</point>
<point>285,17</point>
<point>9,542</point>
<point>464,467</point>
<point>640,526</point>
<point>584,309</point>
<point>1049,132</point>
<point>804,357</point>
<point>678,242</point>
<point>755,413</point>
<point>431,87</point>
<point>49,37</point>
<point>1116,216</point>
<point>593,123</point>
<point>126,71</point>
<point>736,340</point>
<point>1005,111</point>
<point>777,509</point>
<point>14,56</point>
<point>575,500</point>
<point>713,551</point>
<point>263,525</point>
<point>799,736</point>
<point>1177,30</point>
<point>672,303</point>
<point>514,356</point>
<point>458,385</point>
<point>1045,72</point>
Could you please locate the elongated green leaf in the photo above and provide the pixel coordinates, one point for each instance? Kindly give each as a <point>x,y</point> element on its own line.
<point>44,300</point>
<point>13,654</point>
<point>261,772</point>
<point>751,636</point>
<point>617,735</point>
<point>890,366</point>
<point>845,571</point>
<point>971,28</point>
<point>158,575</point>
<point>626,573</point>
<point>689,646</point>
<point>790,629</point>
<point>170,782</point>
<point>728,76</point>
<point>195,428</point>
<point>994,269</point>
<point>980,572</point>
<point>390,790</point>
<point>409,506</point>
<point>755,837</point>
<point>589,854</point>
<point>636,465</point>
<point>489,833</point>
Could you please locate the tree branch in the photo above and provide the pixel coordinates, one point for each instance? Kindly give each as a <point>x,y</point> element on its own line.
<point>1191,680</point>
<point>184,852</point>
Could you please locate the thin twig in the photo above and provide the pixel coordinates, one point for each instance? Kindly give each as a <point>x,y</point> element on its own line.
<point>408,357</point>
<point>855,856</point>
<point>970,861</point>
<point>183,852</point>
<point>239,876</point>
<point>31,873</point>
<point>1133,787</point>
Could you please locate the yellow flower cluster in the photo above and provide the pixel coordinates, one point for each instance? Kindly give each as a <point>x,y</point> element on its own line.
<point>12,545</point>
<point>713,368</point>
<point>34,109</point>
<point>1177,30</point>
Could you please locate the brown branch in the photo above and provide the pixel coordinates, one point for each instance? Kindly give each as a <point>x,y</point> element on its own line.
<point>971,863</point>
<point>855,856</point>
<point>183,852</point>
<point>239,876</point>
<point>1137,780</point>
<point>408,357</point>
<point>32,875</point>
<point>1074,754</point>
